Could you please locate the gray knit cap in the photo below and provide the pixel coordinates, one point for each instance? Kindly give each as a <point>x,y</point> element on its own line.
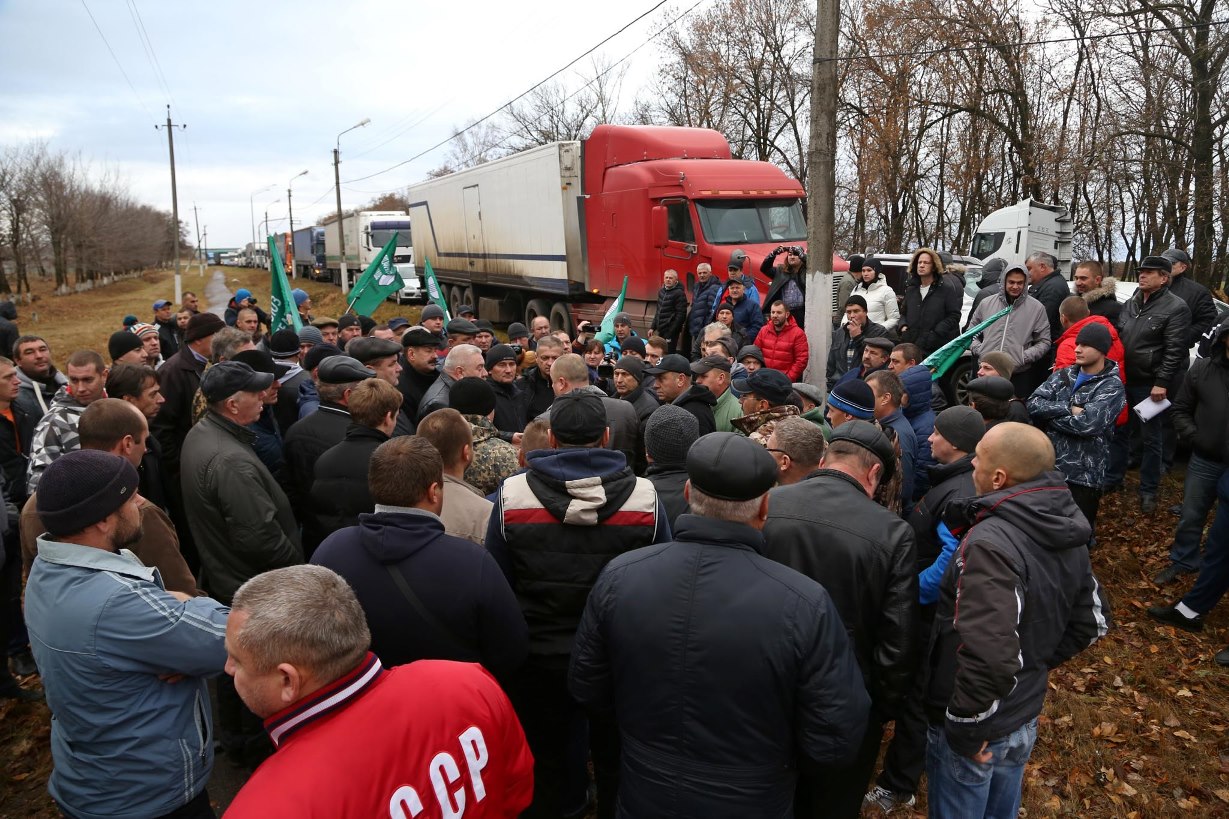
<point>669,433</point>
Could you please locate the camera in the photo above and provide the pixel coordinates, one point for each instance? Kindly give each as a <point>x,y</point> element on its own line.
<point>517,349</point>
<point>605,370</point>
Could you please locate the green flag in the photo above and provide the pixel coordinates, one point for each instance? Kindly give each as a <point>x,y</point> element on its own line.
<point>606,332</point>
<point>379,281</point>
<point>942,359</point>
<point>283,314</point>
<point>433,289</point>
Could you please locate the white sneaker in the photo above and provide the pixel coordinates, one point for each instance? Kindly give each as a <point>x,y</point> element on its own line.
<point>888,801</point>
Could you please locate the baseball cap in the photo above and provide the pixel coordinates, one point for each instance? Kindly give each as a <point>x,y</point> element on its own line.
<point>771,385</point>
<point>672,363</point>
<point>223,380</point>
<point>711,362</point>
<point>160,303</point>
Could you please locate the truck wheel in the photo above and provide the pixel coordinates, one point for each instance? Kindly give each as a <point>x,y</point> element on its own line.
<point>467,297</point>
<point>454,300</point>
<point>535,308</point>
<point>561,318</point>
<point>956,382</point>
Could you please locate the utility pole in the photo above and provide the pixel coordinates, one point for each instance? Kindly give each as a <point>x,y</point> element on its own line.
<point>200,259</point>
<point>170,139</point>
<point>821,203</point>
<point>290,233</point>
<point>341,233</point>
<point>205,249</point>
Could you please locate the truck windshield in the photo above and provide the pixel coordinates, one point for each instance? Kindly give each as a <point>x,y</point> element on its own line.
<point>379,238</point>
<point>985,244</point>
<point>744,221</point>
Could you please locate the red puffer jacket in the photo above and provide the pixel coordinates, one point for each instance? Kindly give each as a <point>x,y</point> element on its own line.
<point>1064,355</point>
<point>787,350</point>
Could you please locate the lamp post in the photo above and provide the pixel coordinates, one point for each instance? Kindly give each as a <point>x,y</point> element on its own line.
<point>265,230</point>
<point>252,211</point>
<point>341,233</point>
<point>290,232</point>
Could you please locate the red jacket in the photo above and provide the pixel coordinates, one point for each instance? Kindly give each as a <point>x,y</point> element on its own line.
<point>1064,355</point>
<point>787,351</point>
<point>428,739</point>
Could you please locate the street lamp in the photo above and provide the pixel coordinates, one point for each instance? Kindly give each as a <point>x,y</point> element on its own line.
<point>265,230</point>
<point>341,233</point>
<point>252,210</point>
<point>290,233</point>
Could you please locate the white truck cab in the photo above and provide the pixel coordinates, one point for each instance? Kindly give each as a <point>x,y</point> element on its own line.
<point>1013,232</point>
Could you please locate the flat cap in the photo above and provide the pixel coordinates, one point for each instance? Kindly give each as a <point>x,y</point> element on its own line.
<point>672,363</point>
<point>223,380</point>
<point>1160,263</point>
<point>421,337</point>
<point>431,311</point>
<point>879,343</point>
<point>771,385</point>
<point>1176,255</point>
<point>809,391</point>
<point>342,369</point>
<point>397,322</point>
<point>465,309</point>
<point>710,362</point>
<point>461,327</point>
<point>867,435</point>
<point>578,417</point>
<point>992,386</point>
<point>730,467</point>
<point>325,321</point>
<point>366,349</point>
<point>485,326</point>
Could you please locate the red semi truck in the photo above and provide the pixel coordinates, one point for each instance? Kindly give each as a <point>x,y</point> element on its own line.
<point>553,230</point>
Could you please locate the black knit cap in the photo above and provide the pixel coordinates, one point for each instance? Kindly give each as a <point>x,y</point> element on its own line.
<point>498,353</point>
<point>122,342</point>
<point>472,396</point>
<point>81,488</point>
<point>318,354</point>
<point>284,344</point>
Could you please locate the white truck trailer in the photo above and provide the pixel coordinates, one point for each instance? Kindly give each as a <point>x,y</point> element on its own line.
<point>1013,232</point>
<point>366,232</point>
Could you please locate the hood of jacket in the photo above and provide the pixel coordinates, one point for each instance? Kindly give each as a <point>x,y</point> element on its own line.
<point>54,376</point>
<point>939,269</point>
<point>65,400</point>
<point>579,483</point>
<point>1042,509</point>
<point>1212,345</point>
<point>391,537</point>
<point>876,284</point>
<point>1108,288</point>
<point>696,393</point>
<point>917,383</point>
<point>942,472</point>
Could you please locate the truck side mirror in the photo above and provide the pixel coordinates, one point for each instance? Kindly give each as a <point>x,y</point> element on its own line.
<point>659,228</point>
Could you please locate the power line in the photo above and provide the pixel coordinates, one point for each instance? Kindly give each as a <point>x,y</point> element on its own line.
<point>536,86</point>
<point>416,122</point>
<point>1023,44</point>
<point>118,65</point>
<point>148,45</point>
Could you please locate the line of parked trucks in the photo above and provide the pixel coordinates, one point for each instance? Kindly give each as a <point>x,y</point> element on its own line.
<point>554,230</point>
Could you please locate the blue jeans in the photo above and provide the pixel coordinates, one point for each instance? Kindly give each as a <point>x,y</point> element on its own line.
<point>960,788</point>
<point>1151,435</point>
<point>1213,580</point>
<point>1198,495</point>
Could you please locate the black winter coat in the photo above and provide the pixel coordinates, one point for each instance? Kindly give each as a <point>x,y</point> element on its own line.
<point>339,491</point>
<point>671,312</point>
<point>837,364</point>
<point>947,481</point>
<point>511,407</point>
<point>1018,599</point>
<point>457,581</point>
<point>8,330</point>
<point>669,481</point>
<point>306,441</point>
<point>1155,336</point>
<point>169,337</point>
<point>935,320</point>
<point>1199,299</point>
<point>699,401</point>
<point>179,378</point>
<point>413,385</point>
<point>1201,408</point>
<point>287,407</point>
<point>866,560</point>
<point>537,393</point>
<point>725,670</point>
<point>1051,291</point>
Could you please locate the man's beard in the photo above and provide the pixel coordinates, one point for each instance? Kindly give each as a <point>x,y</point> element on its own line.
<point>125,537</point>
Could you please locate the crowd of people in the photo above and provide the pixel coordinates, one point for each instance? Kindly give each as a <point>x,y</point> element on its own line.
<point>437,573</point>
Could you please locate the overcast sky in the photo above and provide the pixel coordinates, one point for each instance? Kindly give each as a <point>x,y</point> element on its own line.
<point>265,87</point>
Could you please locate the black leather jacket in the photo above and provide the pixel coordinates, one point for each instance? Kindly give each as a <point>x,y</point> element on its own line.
<point>1201,408</point>
<point>865,558</point>
<point>1154,335</point>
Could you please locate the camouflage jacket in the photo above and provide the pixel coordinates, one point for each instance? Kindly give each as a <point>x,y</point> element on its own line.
<point>494,458</point>
<point>55,435</point>
<point>758,426</point>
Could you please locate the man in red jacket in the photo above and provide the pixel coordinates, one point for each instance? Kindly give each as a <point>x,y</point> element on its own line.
<point>783,343</point>
<point>430,739</point>
<point>1074,314</point>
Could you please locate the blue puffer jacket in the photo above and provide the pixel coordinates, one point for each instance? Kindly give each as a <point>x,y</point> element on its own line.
<point>921,417</point>
<point>1081,442</point>
<point>703,305</point>
<point>104,630</point>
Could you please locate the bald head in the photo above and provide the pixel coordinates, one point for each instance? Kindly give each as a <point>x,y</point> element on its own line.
<point>1010,454</point>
